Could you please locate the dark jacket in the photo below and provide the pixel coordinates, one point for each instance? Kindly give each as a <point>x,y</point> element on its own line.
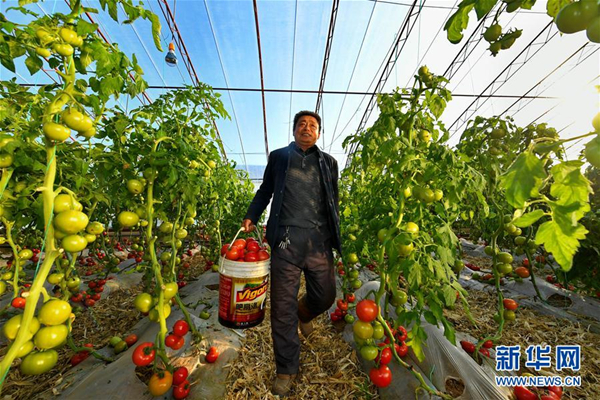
<point>274,182</point>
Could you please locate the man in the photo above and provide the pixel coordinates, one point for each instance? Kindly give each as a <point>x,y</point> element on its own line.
<point>302,230</point>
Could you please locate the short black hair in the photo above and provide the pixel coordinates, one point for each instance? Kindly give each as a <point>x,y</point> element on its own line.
<point>309,113</point>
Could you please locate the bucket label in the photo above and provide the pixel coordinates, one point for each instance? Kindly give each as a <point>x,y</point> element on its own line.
<point>242,300</point>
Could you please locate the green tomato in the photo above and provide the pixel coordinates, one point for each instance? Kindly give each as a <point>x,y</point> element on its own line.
<point>369,353</point>
<point>11,327</point>
<point>356,284</point>
<point>505,257</point>
<point>426,195</point>
<point>54,312</point>
<point>25,254</point>
<point>134,186</point>
<point>352,258</point>
<point>64,50</point>
<point>171,290</point>
<point>492,33</point>
<point>378,332</point>
<point>181,233</point>
<point>505,268</point>
<point>382,235</point>
<point>43,52</point>
<point>407,192</point>
<point>74,243</point>
<point>520,240</point>
<point>71,221</point>
<point>55,278</point>
<point>50,337</point>
<point>68,35</point>
<point>95,228</point>
<point>76,120</point>
<point>128,219</point>
<point>438,194</point>
<point>592,151</point>
<point>412,228</point>
<point>121,347</point>
<point>73,282</point>
<point>6,160</point>
<point>165,256</point>
<point>458,266</point>
<point>64,202</point>
<point>570,18</point>
<point>143,302</point>
<point>2,287</point>
<point>363,330</point>
<point>405,250</point>
<point>39,362</point>
<point>114,341</point>
<point>54,131</point>
<point>349,318</point>
<point>153,315</point>
<point>206,315</point>
<point>165,227</point>
<point>25,349</point>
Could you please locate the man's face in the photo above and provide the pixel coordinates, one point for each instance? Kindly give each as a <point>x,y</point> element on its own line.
<point>306,132</point>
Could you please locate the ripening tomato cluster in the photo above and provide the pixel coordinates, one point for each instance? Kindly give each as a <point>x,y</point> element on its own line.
<point>47,332</point>
<point>368,333</point>
<point>175,340</point>
<point>341,311</point>
<point>245,250</point>
<point>470,347</point>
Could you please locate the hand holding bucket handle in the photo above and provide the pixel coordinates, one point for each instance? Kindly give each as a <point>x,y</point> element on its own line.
<point>247,225</point>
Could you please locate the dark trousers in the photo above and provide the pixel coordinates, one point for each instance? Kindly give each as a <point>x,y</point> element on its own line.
<point>310,252</point>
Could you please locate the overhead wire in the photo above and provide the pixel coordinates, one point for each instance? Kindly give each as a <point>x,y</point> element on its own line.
<point>353,71</point>
<point>227,85</point>
<point>290,129</point>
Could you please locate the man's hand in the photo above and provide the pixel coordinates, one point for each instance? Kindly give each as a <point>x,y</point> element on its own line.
<point>248,225</point>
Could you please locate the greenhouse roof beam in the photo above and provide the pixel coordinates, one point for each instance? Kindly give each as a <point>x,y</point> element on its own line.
<point>539,41</point>
<point>262,79</point>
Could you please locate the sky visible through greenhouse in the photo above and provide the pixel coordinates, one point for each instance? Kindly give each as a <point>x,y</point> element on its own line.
<point>559,74</point>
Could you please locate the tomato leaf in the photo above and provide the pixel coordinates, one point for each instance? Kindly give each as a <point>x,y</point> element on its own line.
<point>523,179</point>
<point>449,295</point>
<point>429,317</point>
<point>561,239</point>
<point>7,63</point>
<point>570,186</point>
<point>415,275</point>
<point>528,219</point>
<point>85,28</point>
<point>482,7</point>
<point>416,340</point>
<point>527,4</point>
<point>459,21</point>
<point>33,64</point>
<point>435,103</point>
<point>554,6</point>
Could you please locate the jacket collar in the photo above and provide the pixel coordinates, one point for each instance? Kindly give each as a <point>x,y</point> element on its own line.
<point>293,146</point>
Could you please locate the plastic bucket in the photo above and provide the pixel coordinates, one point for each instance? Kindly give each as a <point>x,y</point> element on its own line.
<point>242,292</point>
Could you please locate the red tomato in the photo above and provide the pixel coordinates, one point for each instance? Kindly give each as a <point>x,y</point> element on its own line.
<point>144,354</point>
<point>224,249</point>
<point>381,377</point>
<point>467,346</point>
<point>488,344</point>
<point>212,355</point>
<point>401,334</point>
<point>180,328</point>
<point>342,305</point>
<point>239,244</point>
<point>182,390</point>
<point>367,310</point>
<point>251,256</point>
<point>171,340</point>
<point>96,297</point>
<point>484,351</point>
<point>78,358</point>
<point>350,297</point>
<point>179,343</point>
<point>385,356</point>
<point>180,375</point>
<point>131,339</point>
<point>522,393</point>
<point>252,246</point>
<point>510,304</point>
<point>557,390</point>
<point>90,302</point>
<point>402,349</point>
<point>233,254</point>
<point>263,255</point>
<point>335,317</point>
<point>18,302</point>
